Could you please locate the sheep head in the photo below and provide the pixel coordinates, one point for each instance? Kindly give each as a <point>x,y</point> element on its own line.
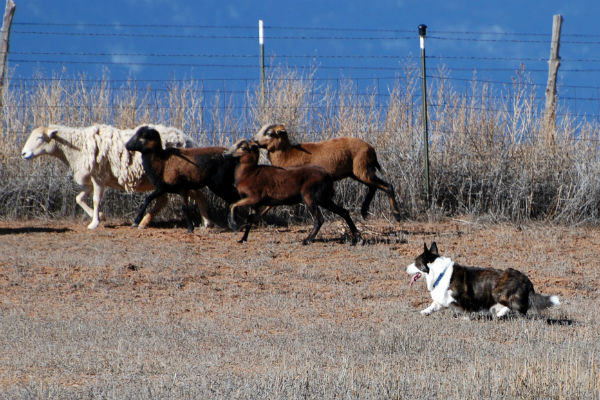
<point>145,139</point>
<point>243,148</point>
<point>40,141</point>
<point>272,137</point>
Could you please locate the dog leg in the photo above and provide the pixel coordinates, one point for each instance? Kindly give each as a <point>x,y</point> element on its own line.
<point>499,310</point>
<point>435,306</point>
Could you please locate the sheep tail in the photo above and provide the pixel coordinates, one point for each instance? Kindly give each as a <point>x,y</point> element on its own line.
<point>373,164</point>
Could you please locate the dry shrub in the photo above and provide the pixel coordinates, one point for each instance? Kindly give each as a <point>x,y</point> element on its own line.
<point>490,154</point>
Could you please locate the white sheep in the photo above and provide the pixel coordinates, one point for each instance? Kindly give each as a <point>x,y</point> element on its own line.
<point>97,156</point>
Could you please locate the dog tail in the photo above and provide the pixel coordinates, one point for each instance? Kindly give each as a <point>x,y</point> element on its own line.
<point>539,301</point>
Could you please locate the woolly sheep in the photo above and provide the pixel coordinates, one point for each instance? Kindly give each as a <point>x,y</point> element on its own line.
<point>97,156</point>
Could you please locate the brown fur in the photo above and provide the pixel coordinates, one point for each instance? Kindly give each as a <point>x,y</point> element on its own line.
<point>183,171</point>
<point>344,157</point>
<point>265,185</point>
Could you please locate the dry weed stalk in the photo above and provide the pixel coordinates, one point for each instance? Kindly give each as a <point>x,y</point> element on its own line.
<point>489,151</point>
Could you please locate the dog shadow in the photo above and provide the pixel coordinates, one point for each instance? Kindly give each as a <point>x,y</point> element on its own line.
<point>512,317</point>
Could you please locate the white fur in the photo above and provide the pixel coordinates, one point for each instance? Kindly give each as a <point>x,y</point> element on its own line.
<point>442,297</point>
<point>97,156</point>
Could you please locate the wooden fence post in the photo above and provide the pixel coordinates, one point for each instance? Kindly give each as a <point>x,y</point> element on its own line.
<point>553,65</point>
<point>9,12</point>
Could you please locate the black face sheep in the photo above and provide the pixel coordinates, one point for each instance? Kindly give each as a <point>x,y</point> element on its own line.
<point>344,157</point>
<point>266,185</point>
<point>183,171</point>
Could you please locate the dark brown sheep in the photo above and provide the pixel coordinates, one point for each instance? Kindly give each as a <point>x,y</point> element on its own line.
<point>183,171</point>
<point>266,185</point>
<point>344,157</point>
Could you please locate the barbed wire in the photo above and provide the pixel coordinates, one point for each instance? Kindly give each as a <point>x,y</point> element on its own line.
<point>290,37</point>
<point>294,56</point>
<point>290,28</point>
<point>33,56</point>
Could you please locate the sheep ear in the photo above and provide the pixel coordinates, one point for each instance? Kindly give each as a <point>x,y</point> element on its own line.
<point>52,133</point>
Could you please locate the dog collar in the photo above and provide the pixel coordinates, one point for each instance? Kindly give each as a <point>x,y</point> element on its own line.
<point>439,278</point>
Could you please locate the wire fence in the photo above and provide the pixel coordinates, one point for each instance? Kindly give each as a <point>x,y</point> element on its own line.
<point>231,68</point>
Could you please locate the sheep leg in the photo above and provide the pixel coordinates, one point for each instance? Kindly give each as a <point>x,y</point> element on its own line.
<point>159,204</point>
<point>97,198</point>
<point>245,236</point>
<point>375,181</point>
<point>318,222</point>
<point>342,212</point>
<point>253,219</point>
<point>247,201</point>
<point>201,203</point>
<point>187,212</point>
<point>364,210</point>
<point>79,199</point>
<point>156,193</point>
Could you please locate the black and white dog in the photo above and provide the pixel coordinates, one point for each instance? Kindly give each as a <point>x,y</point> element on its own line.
<point>475,289</point>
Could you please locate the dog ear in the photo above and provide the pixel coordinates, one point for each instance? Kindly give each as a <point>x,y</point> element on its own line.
<point>433,249</point>
<point>425,249</point>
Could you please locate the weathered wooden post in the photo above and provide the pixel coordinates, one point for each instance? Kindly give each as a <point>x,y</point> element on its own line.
<point>9,12</point>
<point>553,65</point>
<point>422,32</point>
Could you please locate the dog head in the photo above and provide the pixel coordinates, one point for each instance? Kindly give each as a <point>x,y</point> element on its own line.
<point>421,265</point>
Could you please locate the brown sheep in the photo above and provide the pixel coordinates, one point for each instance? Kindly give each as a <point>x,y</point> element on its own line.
<point>345,157</point>
<point>183,171</point>
<point>266,185</point>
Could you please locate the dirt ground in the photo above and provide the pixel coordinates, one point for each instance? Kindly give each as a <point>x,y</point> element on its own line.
<point>37,248</point>
<point>59,269</point>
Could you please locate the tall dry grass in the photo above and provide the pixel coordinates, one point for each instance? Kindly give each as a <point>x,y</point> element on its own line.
<point>490,155</point>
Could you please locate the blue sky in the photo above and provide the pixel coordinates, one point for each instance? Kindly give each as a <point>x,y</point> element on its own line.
<point>332,35</point>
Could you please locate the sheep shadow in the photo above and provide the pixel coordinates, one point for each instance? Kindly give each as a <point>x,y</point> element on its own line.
<point>31,229</point>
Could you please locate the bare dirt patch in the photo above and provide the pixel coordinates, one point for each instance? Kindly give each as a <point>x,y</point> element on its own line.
<point>122,312</point>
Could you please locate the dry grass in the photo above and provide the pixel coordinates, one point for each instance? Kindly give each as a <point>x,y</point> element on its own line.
<point>490,156</point>
<point>122,313</point>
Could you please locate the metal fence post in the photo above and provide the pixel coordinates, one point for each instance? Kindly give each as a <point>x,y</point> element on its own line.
<point>422,31</point>
<point>261,42</point>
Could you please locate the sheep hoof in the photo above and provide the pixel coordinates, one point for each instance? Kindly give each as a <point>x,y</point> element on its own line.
<point>397,216</point>
<point>93,225</point>
<point>306,242</point>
